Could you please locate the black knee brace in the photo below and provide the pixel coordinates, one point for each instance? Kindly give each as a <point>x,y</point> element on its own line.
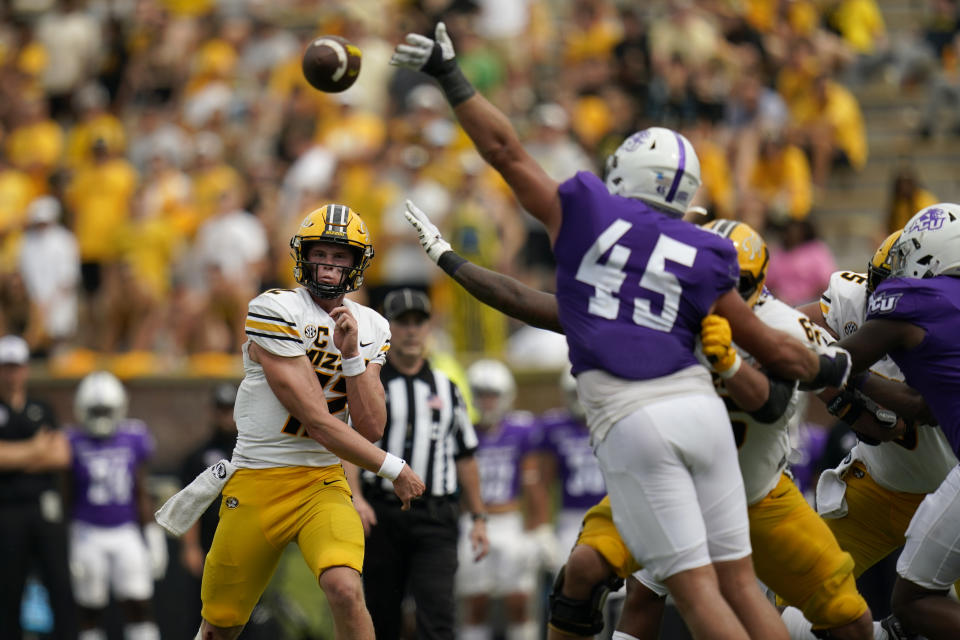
<point>580,617</point>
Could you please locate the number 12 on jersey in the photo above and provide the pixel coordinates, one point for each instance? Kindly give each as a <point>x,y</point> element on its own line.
<point>607,278</point>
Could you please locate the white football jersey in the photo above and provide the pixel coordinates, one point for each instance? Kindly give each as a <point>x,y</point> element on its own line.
<point>763,448</point>
<point>917,465</point>
<point>287,322</point>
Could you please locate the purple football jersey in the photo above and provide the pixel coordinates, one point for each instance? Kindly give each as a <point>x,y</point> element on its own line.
<point>634,283</point>
<point>568,440</point>
<point>498,456</point>
<point>933,367</point>
<point>104,473</point>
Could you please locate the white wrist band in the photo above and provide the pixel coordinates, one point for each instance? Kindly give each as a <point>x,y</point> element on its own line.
<point>391,467</point>
<point>732,371</point>
<point>353,366</point>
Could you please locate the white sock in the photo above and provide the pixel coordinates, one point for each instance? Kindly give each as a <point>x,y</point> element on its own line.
<point>797,626</point>
<point>475,632</point>
<point>141,631</point>
<point>199,635</point>
<point>620,635</point>
<point>92,634</point>
<point>524,631</point>
<point>879,633</point>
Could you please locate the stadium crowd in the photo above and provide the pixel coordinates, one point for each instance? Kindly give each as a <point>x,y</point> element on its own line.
<point>179,144</point>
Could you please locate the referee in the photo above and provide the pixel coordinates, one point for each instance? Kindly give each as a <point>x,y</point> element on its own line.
<point>415,551</point>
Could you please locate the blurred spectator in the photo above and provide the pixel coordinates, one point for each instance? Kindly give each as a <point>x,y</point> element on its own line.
<point>831,125</point>
<point>800,267</point>
<point>50,265</point>
<point>33,532</point>
<point>95,122</point>
<point>98,195</point>
<point>137,283</point>
<point>944,89</point>
<point>229,258</point>
<point>779,187</point>
<point>906,198</point>
<point>71,36</point>
<point>35,143</point>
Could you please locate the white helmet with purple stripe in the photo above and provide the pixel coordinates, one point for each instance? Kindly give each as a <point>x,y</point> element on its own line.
<point>656,165</point>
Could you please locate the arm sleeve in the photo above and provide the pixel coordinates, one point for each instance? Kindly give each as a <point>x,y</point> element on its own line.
<point>272,326</point>
<point>464,435</point>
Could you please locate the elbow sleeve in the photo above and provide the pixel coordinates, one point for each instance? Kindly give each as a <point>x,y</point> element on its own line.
<point>778,400</point>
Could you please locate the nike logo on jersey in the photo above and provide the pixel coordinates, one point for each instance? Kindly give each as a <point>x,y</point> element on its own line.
<point>366,344</point>
<point>328,482</point>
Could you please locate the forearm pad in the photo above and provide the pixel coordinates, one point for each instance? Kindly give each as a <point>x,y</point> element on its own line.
<point>831,373</point>
<point>778,400</point>
<point>450,261</point>
<point>448,75</point>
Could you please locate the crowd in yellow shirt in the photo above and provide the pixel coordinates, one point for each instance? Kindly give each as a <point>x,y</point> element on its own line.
<point>189,115</point>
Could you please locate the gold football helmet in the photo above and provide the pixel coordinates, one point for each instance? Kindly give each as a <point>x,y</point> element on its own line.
<point>879,268</point>
<point>752,254</point>
<point>339,224</point>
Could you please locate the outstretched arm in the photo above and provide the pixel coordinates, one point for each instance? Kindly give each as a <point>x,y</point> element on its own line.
<point>491,132</point>
<point>503,293</point>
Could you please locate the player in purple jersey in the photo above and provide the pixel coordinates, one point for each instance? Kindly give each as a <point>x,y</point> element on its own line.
<point>634,283</point>
<point>568,460</point>
<point>507,464</point>
<point>114,543</point>
<point>914,316</point>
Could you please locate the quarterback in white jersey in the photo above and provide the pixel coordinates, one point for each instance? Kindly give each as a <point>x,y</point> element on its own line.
<point>288,323</point>
<point>312,360</point>
<point>870,498</point>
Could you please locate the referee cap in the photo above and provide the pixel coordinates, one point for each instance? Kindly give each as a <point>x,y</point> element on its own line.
<point>403,300</point>
<point>14,350</point>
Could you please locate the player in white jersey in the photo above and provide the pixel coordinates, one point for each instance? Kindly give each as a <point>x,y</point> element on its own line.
<point>312,360</point>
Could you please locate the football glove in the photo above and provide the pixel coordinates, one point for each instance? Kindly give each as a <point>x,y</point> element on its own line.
<point>420,53</point>
<point>430,238</point>
<point>717,340</point>
<point>156,541</point>
<point>849,405</point>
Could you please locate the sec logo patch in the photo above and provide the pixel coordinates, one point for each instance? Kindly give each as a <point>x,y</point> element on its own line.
<point>231,502</point>
<point>310,332</point>
<point>849,328</point>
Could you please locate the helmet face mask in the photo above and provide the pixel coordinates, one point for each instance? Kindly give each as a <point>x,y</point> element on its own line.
<point>879,268</point>
<point>100,404</point>
<point>658,166</point>
<point>752,256</point>
<point>493,388</point>
<point>336,224</point>
<point>929,245</point>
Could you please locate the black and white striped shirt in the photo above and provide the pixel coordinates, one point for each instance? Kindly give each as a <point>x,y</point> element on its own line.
<point>427,425</point>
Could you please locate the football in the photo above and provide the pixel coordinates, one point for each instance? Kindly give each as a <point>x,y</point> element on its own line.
<point>331,63</point>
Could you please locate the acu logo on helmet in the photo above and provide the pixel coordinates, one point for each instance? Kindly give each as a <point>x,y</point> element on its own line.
<point>929,220</point>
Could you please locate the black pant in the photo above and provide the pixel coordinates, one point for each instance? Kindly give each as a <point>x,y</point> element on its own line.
<point>31,542</point>
<point>413,551</point>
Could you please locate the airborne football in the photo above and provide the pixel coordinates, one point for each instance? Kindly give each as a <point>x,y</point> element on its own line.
<point>331,63</point>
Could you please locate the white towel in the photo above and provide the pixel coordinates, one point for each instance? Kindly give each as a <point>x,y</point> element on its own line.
<point>185,507</point>
<point>831,488</point>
